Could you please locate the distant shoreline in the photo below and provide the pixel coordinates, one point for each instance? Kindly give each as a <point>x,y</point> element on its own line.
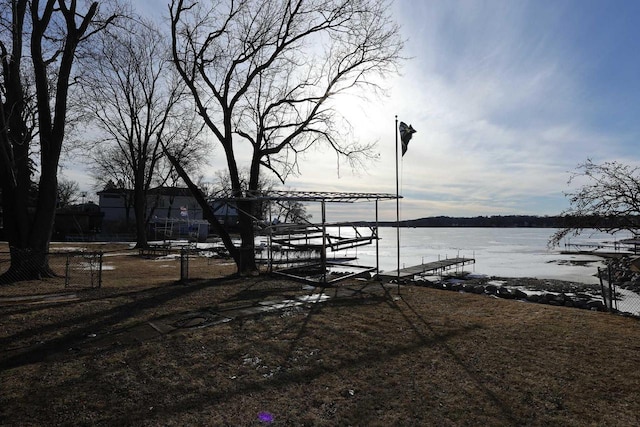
<point>497,221</point>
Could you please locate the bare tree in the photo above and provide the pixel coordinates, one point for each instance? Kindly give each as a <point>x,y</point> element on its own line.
<point>137,100</point>
<point>51,31</point>
<point>290,211</point>
<point>68,192</point>
<point>286,211</point>
<point>608,199</point>
<point>265,75</point>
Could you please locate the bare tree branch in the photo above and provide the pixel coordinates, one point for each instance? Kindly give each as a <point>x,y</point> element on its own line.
<point>607,199</point>
<point>267,72</point>
<point>136,100</point>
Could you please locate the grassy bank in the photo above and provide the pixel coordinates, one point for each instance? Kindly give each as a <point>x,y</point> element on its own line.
<point>134,353</point>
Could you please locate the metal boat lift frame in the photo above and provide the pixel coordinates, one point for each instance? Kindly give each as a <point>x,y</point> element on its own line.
<point>319,231</point>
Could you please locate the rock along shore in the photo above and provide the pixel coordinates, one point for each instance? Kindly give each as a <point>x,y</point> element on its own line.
<point>542,291</point>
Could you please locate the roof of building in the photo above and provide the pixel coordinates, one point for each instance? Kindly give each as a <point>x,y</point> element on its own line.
<point>163,191</point>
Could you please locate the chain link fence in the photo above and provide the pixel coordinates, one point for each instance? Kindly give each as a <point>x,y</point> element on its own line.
<point>620,284</point>
<point>69,269</point>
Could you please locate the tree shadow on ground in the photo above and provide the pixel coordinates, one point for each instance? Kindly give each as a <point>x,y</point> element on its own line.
<point>92,322</point>
<point>456,358</point>
<point>197,402</point>
<point>192,399</point>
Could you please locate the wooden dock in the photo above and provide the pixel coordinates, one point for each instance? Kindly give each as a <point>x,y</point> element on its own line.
<point>427,268</point>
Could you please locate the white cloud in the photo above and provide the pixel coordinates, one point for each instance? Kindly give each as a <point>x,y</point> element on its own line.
<point>498,93</point>
<point>500,114</point>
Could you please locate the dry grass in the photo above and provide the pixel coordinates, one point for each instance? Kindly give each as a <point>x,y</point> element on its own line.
<point>363,358</point>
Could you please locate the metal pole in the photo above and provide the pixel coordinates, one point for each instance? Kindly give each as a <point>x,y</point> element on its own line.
<point>323,255</point>
<point>100,269</point>
<point>377,244</point>
<point>269,241</point>
<point>66,273</point>
<point>397,209</point>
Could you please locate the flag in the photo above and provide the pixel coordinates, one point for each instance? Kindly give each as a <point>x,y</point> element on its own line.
<point>406,132</point>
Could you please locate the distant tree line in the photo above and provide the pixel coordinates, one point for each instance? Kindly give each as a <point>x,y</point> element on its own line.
<point>512,221</point>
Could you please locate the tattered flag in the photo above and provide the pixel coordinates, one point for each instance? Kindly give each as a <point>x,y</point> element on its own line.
<point>406,132</point>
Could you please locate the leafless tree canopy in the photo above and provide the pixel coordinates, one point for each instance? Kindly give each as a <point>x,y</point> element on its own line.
<point>608,195</point>
<point>138,102</point>
<point>39,44</point>
<point>268,70</point>
<point>266,74</point>
<point>68,192</point>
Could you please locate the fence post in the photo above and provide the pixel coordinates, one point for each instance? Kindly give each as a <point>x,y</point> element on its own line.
<point>184,265</point>
<point>100,269</point>
<point>611,295</point>
<point>602,290</point>
<point>66,273</point>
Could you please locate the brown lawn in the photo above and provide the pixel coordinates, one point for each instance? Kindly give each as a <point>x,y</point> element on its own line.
<point>124,355</point>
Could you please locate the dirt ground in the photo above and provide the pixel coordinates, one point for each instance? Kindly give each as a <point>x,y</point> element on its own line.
<point>146,350</point>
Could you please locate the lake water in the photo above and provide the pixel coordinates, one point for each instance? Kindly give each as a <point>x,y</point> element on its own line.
<point>506,252</point>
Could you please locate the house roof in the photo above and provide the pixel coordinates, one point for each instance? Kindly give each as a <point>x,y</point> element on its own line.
<point>162,191</point>
<point>170,191</point>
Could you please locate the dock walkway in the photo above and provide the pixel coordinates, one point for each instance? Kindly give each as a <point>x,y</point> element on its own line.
<point>427,268</point>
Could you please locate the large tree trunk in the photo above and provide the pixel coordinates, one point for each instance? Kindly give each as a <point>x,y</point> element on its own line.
<point>246,259</point>
<point>28,224</point>
<point>139,208</point>
<point>27,263</point>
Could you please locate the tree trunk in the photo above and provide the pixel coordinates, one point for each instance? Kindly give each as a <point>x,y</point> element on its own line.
<point>27,264</point>
<point>28,224</point>
<point>139,208</point>
<point>246,260</point>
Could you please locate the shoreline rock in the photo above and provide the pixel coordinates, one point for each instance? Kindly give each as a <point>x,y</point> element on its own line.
<point>541,291</point>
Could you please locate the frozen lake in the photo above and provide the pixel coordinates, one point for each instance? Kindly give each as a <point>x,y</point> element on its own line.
<point>506,252</point>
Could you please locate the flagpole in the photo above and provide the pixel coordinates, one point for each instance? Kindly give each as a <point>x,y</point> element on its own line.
<point>397,210</point>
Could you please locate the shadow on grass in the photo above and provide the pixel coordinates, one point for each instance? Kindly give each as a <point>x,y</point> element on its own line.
<point>250,289</point>
<point>193,399</point>
<point>93,322</point>
<point>196,402</point>
<point>457,359</point>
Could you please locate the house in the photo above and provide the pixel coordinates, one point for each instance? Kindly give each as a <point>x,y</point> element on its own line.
<point>77,222</point>
<point>225,212</point>
<point>171,212</point>
<point>162,202</point>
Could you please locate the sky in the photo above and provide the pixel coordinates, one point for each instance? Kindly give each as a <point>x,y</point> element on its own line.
<point>507,97</point>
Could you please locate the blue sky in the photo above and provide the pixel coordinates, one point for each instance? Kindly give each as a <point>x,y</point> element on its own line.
<point>507,96</point>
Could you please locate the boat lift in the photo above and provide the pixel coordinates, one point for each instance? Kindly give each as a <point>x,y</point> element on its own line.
<point>315,237</point>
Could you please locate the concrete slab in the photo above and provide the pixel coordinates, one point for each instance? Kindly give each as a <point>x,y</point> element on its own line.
<point>161,327</point>
<point>278,303</point>
<point>201,319</point>
<point>284,304</point>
